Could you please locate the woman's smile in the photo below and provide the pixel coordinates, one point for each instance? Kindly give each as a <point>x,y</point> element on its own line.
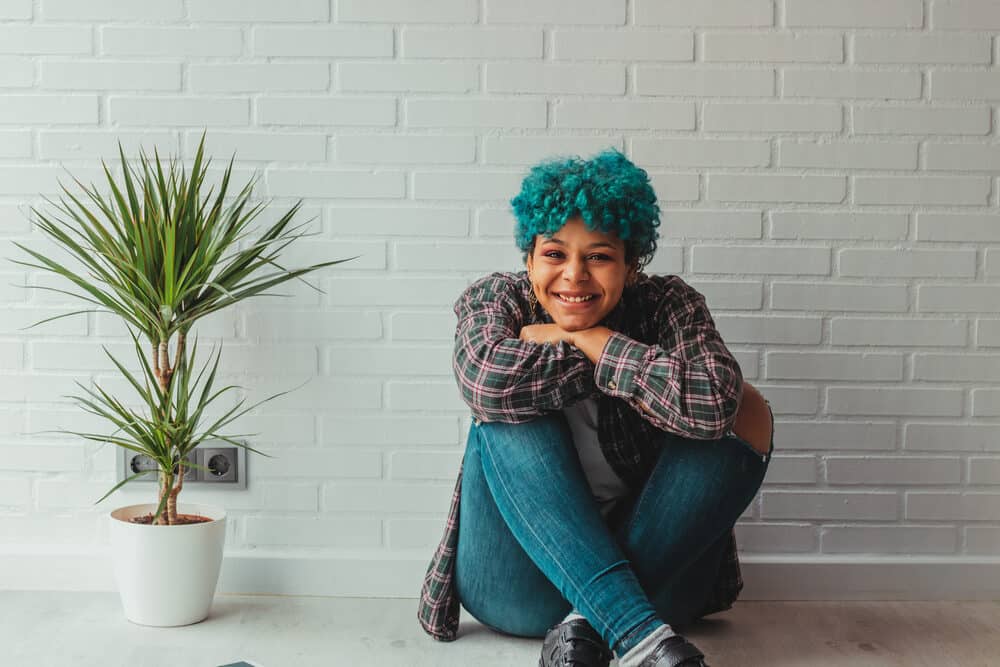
<point>578,274</point>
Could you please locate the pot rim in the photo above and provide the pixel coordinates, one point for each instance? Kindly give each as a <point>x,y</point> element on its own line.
<point>125,512</point>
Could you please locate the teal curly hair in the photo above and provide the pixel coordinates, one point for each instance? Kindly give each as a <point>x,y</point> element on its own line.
<point>608,191</point>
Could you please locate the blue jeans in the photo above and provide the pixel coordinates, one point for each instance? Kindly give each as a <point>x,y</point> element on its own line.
<point>533,544</point>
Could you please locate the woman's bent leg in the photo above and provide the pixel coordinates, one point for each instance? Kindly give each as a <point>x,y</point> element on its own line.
<point>678,528</point>
<point>535,479</point>
<point>497,582</point>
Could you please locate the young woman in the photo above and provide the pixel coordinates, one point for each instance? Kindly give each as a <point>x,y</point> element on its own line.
<point>613,445</point>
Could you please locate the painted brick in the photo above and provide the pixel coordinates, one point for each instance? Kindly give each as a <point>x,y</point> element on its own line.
<point>898,333</point>
<point>82,75</point>
<point>952,437</point>
<point>921,120</point>
<point>313,532</point>
<point>176,42</point>
<point>424,395</point>
<point>16,10</point>
<point>894,401</point>
<point>709,224</point>
<point>934,506</point>
<point>475,113</point>
<point>385,148</point>
<point>955,367</point>
<point>829,505</point>
<point>768,538</point>
<point>331,183</point>
<point>395,361</point>
<point>675,187</point>
<point>588,12</point>
<point>389,430</point>
<point>988,333</point>
<point>771,329</point>
<point>425,465</point>
<point>962,157</point>
<point>959,228</point>
<point>430,326</point>
<point>772,117</point>
<point>668,260</point>
<point>21,388</point>
<point>792,470</point>
<point>42,457</point>
<point>33,180</point>
<point>777,188</point>
<point>625,115</point>
<point>889,539</point>
<point>730,295</point>
<point>985,403</point>
<point>915,190</point>
<point>983,540</point>
<point>570,79</point>
<point>322,42</point>
<point>956,84</point>
<point>30,40</point>
<point>530,150</point>
<point>984,470</point>
<point>891,470</point>
<point>704,81</point>
<point>406,221</point>
<point>12,285</point>
<point>471,43</point>
<point>495,222</point>
<point>326,111</point>
<point>408,497</point>
<point>402,11</point>
<point>815,82</point>
<point>186,111</point>
<point>957,298</point>
<point>261,146</point>
<point>965,15</point>
<point>701,152</point>
<point>215,78</point>
<point>834,436</point>
<point>258,10</point>
<point>16,72</point>
<point>742,13</point>
<point>838,296</point>
<point>466,185</point>
<point>760,259</point>
<point>629,45</point>
<point>854,14</point>
<point>853,226</point>
<point>797,47</point>
<point>314,325</point>
<point>13,144</point>
<point>483,257</point>
<point>847,155</point>
<point>409,291</point>
<point>904,49</point>
<point>833,366</point>
<point>406,77</point>
<point>900,263</point>
<point>791,400</point>
<point>15,493</point>
<point>413,533</point>
<point>345,463</point>
<point>55,109</point>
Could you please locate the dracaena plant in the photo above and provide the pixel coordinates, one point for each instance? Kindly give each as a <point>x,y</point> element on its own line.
<point>161,249</point>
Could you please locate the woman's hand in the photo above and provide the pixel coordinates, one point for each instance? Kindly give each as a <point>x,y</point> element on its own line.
<point>545,333</point>
<point>753,420</point>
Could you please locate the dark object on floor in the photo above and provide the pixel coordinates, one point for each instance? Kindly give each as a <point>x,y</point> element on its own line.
<point>574,643</point>
<point>675,651</point>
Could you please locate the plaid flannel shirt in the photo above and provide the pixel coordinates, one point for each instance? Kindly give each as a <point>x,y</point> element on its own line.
<point>664,369</point>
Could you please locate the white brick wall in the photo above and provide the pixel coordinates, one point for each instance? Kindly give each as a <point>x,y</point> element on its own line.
<point>827,172</point>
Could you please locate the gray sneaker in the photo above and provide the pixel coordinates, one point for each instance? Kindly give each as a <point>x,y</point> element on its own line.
<point>574,643</point>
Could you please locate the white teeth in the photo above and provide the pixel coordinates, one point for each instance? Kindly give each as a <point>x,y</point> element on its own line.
<point>576,299</point>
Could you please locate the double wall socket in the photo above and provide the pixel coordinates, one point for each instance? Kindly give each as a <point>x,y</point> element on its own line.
<point>226,463</point>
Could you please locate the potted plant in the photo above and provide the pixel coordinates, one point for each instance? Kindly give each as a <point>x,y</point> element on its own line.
<point>161,250</point>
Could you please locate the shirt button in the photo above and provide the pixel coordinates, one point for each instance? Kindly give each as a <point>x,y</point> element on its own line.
<point>612,385</point>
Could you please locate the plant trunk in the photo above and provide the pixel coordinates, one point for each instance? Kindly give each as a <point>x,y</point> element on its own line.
<point>166,482</point>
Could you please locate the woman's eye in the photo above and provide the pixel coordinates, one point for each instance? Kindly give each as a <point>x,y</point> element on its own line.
<point>600,257</point>
<point>554,254</point>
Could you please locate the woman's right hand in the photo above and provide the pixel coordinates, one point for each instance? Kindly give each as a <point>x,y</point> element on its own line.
<point>544,333</point>
<point>753,420</point>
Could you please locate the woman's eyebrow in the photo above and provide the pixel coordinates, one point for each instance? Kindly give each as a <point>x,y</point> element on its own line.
<point>599,244</point>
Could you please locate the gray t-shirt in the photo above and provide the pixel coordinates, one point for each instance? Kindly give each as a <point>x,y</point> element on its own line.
<point>606,486</point>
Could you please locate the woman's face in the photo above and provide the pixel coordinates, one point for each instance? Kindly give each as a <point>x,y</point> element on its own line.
<point>578,275</point>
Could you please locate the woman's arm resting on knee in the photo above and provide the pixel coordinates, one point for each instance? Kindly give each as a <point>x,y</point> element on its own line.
<point>753,420</point>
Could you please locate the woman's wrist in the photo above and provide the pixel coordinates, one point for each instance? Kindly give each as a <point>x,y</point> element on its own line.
<point>591,341</point>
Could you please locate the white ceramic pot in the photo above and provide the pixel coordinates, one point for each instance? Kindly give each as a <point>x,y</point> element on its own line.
<point>167,574</point>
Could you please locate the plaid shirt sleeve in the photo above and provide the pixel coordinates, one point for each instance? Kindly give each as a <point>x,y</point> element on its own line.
<point>688,384</point>
<point>503,378</point>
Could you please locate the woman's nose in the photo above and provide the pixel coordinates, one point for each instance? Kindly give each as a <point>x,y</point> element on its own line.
<point>576,270</point>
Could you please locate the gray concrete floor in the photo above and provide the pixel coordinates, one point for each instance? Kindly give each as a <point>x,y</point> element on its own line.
<point>49,629</point>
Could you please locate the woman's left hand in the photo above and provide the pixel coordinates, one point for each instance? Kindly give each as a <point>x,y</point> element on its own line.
<point>545,333</point>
